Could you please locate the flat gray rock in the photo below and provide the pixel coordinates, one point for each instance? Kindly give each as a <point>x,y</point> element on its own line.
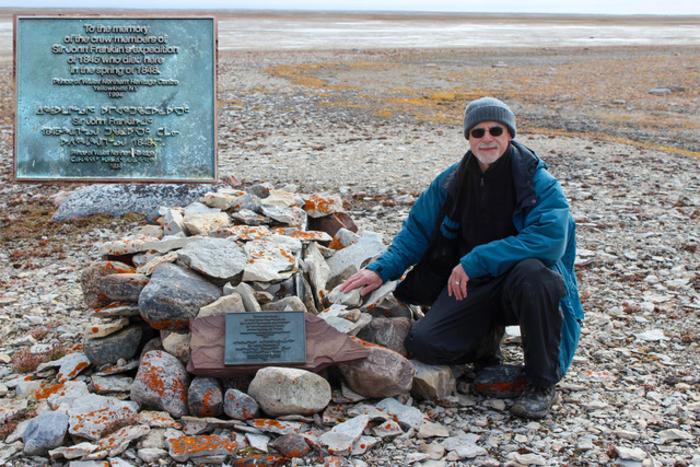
<point>119,199</point>
<point>174,296</point>
<point>215,257</point>
<point>94,416</point>
<point>341,438</point>
<point>406,415</point>
<point>268,261</point>
<point>109,384</point>
<point>45,432</point>
<point>123,344</point>
<point>369,245</point>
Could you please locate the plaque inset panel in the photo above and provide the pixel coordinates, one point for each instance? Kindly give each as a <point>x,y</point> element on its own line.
<point>115,98</point>
<point>265,338</point>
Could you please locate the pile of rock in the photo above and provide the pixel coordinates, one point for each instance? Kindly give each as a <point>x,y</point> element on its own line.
<point>128,391</point>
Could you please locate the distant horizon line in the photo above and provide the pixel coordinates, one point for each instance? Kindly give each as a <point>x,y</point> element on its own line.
<point>365,12</point>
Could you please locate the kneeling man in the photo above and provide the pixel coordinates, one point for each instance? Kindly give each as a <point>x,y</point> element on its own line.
<point>492,243</point>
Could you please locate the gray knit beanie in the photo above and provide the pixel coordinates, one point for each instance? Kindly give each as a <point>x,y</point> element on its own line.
<point>488,109</point>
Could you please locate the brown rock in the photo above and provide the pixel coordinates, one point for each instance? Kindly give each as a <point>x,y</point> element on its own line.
<point>291,445</point>
<point>124,287</point>
<point>389,332</point>
<point>384,373</point>
<point>91,281</point>
<point>331,224</point>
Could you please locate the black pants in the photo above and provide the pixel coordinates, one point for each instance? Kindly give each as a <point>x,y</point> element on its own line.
<point>455,332</point>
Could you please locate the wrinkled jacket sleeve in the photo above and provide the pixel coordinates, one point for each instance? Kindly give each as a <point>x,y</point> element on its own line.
<point>543,235</point>
<point>411,243</point>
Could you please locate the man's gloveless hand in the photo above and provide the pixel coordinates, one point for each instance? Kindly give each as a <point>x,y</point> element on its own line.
<point>368,280</point>
<point>457,283</point>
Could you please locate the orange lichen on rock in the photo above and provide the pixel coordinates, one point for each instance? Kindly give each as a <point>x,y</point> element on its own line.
<point>267,423</point>
<point>46,390</point>
<point>150,375</point>
<point>287,255</point>
<point>319,204</point>
<point>74,372</point>
<point>336,244</point>
<point>168,323</point>
<point>201,445</point>
<point>112,267</point>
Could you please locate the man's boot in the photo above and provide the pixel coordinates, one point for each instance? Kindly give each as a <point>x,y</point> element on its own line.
<point>534,402</point>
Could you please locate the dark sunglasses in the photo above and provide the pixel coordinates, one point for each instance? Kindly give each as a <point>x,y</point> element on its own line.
<point>480,132</point>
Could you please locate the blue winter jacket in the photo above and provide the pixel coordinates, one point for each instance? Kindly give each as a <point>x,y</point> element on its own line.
<point>546,231</point>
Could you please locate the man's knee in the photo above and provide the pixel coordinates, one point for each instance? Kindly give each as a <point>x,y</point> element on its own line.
<point>531,275</point>
<point>424,344</point>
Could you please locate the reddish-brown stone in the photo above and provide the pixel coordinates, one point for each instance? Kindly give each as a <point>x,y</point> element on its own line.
<point>331,224</point>
<point>91,281</point>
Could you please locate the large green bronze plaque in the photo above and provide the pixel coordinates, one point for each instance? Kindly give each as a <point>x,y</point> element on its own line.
<point>265,338</point>
<point>115,98</point>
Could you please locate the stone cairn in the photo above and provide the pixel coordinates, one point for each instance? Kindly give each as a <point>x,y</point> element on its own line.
<point>128,393</point>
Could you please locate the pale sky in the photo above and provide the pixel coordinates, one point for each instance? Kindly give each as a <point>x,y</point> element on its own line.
<point>645,7</point>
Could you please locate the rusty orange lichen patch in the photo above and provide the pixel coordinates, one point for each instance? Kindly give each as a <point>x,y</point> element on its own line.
<point>201,444</point>
<point>110,267</point>
<point>287,255</point>
<point>267,423</point>
<point>150,375</point>
<point>319,203</point>
<point>46,390</point>
<point>336,244</point>
<point>168,324</point>
<point>74,372</point>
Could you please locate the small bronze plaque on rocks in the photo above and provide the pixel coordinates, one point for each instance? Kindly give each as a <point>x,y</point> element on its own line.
<point>265,338</point>
<point>115,98</point>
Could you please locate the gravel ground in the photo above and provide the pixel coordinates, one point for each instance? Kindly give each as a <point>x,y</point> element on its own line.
<point>634,379</point>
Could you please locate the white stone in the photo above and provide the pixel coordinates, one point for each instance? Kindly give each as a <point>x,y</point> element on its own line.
<point>341,438</point>
<point>247,295</point>
<point>98,328</point>
<point>232,303</point>
<point>674,434</point>
<point>318,270</point>
<point>364,444</point>
<point>470,451</point>
<point>651,335</point>
<point>215,257</point>
<point>73,452</point>
<point>178,345</point>
<point>406,415</point>
<point>203,224</point>
<point>282,391</point>
<point>351,298</point>
<point>387,429</point>
<point>107,384</point>
<point>430,429</point>
<point>268,261</point>
<point>258,441</point>
<point>369,245</point>
<point>321,205</point>
<point>631,454</point>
